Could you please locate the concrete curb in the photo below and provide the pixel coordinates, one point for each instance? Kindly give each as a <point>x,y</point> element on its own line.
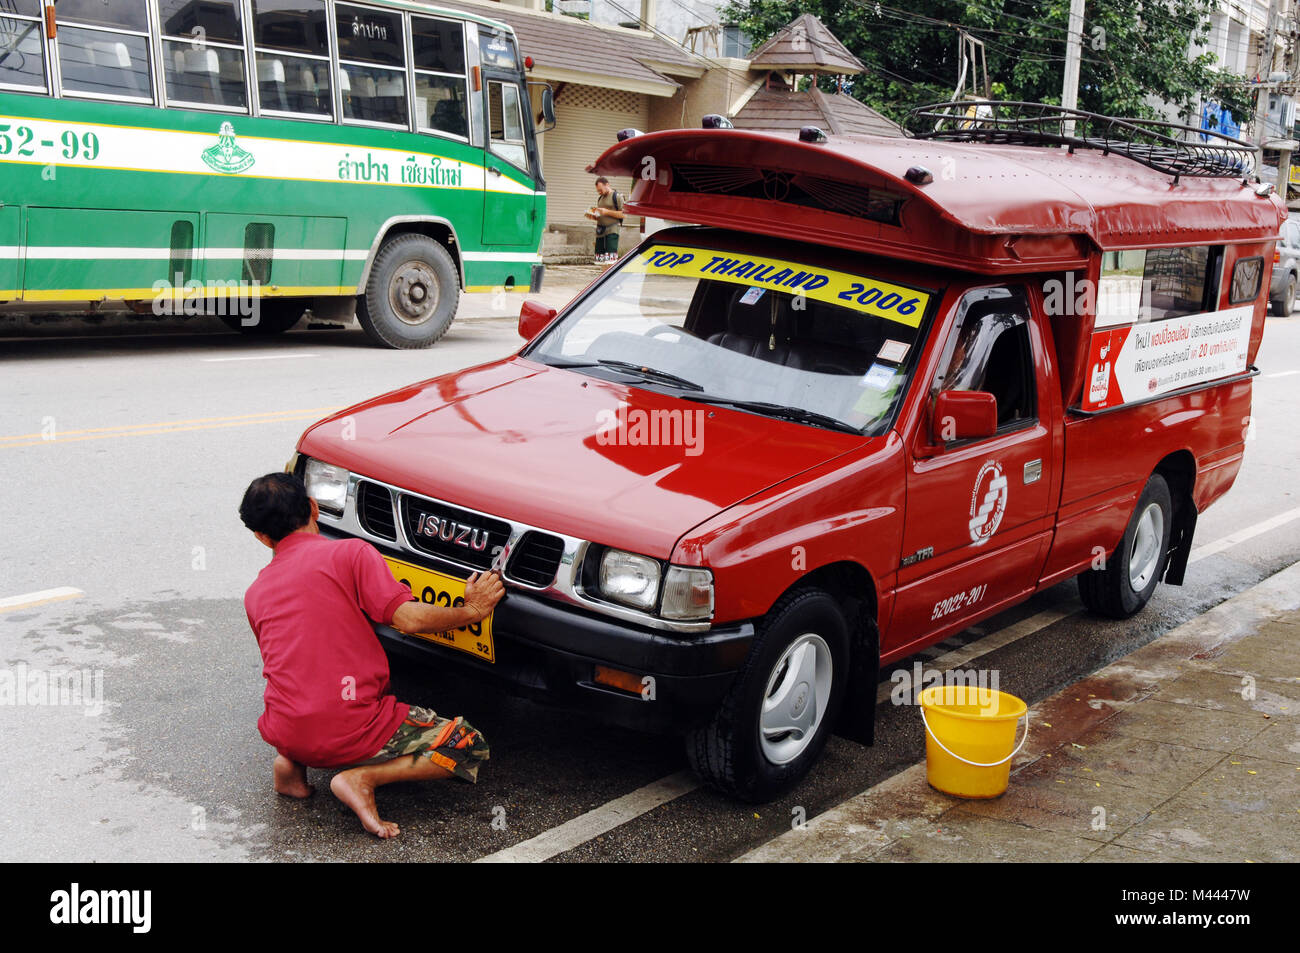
<point>869,821</point>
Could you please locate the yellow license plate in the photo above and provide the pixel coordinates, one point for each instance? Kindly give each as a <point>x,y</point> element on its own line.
<point>437,589</point>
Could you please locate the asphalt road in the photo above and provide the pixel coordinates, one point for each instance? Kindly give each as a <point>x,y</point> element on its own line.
<point>134,504</point>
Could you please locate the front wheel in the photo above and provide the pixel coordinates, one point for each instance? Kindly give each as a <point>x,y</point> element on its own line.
<point>778,713</point>
<point>1130,576</point>
<point>1283,306</point>
<point>412,293</point>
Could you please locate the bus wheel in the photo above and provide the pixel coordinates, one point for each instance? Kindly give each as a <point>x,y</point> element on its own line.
<point>412,294</point>
<point>779,711</point>
<point>1131,574</point>
<point>273,316</point>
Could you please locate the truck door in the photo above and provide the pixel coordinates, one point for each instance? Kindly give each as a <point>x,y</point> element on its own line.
<point>977,526</point>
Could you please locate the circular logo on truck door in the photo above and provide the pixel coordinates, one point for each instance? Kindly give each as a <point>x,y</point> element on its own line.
<point>988,502</point>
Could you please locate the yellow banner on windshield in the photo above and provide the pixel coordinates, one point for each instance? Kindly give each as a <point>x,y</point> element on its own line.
<point>869,295</point>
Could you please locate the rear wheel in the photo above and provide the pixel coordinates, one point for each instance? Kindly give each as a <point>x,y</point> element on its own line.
<point>411,295</point>
<point>778,714</point>
<point>1130,576</point>
<point>270,316</point>
<point>1283,306</point>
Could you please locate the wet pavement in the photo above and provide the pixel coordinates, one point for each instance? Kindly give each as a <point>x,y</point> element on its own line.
<point>1187,750</point>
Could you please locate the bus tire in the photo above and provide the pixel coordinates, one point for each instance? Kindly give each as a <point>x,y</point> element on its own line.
<point>1133,571</point>
<point>412,293</point>
<point>274,316</point>
<point>742,750</point>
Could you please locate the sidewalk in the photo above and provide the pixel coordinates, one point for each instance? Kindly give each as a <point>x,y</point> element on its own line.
<point>1163,756</point>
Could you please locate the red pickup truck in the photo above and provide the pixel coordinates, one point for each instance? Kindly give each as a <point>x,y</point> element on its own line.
<point>883,389</point>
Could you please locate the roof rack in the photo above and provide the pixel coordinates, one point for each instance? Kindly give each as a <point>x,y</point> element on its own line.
<point>1164,146</point>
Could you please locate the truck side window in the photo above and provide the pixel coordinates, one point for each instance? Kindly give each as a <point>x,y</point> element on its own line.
<point>990,351</point>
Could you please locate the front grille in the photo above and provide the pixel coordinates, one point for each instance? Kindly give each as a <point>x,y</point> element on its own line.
<point>375,510</point>
<point>792,188</point>
<point>452,533</point>
<point>536,559</point>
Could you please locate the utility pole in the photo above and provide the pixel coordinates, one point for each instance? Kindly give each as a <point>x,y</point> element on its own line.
<point>1264,69</point>
<point>1073,55</point>
<point>1289,92</point>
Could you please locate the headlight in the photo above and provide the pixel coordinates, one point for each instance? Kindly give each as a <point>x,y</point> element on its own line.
<point>688,594</point>
<point>327,485</point>
<point>630,579</point>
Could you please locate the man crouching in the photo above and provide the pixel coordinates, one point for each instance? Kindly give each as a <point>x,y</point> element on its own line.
<point>327,700</point>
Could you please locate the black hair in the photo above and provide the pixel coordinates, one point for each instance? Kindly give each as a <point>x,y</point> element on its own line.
<point>602,179</point>
<point>276,504</point>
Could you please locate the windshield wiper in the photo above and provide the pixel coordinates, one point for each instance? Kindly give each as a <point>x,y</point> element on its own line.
<point>781,411</point>
<point>627,367</point>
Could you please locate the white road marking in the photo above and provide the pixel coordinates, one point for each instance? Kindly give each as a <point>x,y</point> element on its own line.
<point>1282,374</point>
<point>255,357</point>
<point>621,810</point>
<point>1219,545</point>
<point>29,599</point>
<point>596,821</point>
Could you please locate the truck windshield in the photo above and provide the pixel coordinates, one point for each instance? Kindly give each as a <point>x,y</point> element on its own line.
<point>769,336</point>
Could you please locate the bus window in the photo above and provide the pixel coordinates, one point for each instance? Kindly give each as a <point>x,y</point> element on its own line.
<point>291,43</point>
<point>506,123</point>
<point>22,61</point>
<point>497,49</point>
<point>441,100</point>
<point>372,65</point>
<point>203,53</point>
<point>104,49</point>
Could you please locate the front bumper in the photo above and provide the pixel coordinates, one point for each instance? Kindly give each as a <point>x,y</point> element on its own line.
<point>548,652</point>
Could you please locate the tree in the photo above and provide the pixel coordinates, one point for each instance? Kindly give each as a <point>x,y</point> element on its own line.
<point>1134,52</point>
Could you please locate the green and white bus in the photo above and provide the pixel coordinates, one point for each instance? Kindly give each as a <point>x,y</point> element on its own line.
<point>180,154</point>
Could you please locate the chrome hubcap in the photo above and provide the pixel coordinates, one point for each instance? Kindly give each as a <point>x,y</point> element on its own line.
<point>795,700</point>
<point>1145,557</point>
<point>413,292</point>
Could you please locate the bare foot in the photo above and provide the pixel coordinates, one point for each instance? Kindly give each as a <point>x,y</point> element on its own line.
<point>354,789</point>
<point>291,778</point>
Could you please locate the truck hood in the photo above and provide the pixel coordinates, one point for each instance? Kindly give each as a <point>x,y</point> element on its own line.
<point>562,451</point>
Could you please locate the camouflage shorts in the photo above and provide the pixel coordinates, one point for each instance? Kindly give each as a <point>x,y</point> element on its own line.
<point>451,743</point>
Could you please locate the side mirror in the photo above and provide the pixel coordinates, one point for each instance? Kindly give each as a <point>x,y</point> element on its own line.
<point>548,107</point>
<point>964,415</point>
<point>533,317</point>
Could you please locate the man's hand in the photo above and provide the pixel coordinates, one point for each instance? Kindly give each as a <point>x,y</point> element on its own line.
<point>482,593</point>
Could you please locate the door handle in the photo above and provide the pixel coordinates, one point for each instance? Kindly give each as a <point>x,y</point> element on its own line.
<point>496,172</point>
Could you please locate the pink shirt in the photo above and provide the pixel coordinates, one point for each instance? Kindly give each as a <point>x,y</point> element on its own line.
<point>311,608</point>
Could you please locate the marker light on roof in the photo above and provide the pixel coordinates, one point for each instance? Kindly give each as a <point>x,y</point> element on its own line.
<point>811,134</point>
<point>714,121</point>
<point>919,175</point>
<point>623,134</point>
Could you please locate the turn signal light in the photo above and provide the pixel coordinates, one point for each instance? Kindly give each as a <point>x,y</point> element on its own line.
<point>623,681</point>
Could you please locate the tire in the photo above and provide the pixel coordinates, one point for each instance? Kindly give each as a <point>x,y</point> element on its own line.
<point>1132,573</point>
<point>1283,307</point>
<point>274,316</point>
<point>412,293</point>
<point>732,753</point>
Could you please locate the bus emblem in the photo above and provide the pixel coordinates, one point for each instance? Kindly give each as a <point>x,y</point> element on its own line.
<point>227,155</point>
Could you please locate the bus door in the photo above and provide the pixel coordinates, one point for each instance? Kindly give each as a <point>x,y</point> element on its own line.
<point>510,156</point>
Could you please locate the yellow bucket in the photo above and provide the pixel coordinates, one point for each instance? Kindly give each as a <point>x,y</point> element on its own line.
<point>970,736</point>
